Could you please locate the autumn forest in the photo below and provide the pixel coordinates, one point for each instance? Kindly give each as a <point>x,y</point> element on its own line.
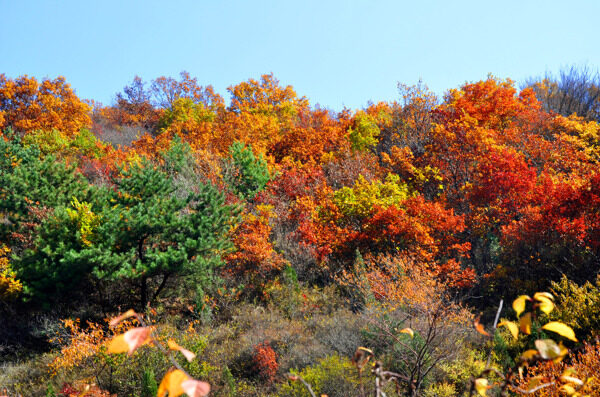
<point>178,242</point>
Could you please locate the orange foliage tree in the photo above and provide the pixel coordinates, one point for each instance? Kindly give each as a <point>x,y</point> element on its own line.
<point>27,105</point>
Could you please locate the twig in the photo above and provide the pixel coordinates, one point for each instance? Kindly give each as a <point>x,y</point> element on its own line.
<point>489,359</point>
<point>305,383</point>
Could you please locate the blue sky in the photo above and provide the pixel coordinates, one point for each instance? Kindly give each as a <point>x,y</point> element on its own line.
<point>336,53</point>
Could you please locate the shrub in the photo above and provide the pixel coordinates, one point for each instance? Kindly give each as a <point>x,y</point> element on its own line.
<point>334,376</point>
<point>245,174</point>
<point>265,361</point>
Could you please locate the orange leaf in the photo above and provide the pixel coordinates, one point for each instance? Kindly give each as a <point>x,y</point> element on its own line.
<point>407,331</point>
<point>195,388</point>
<point>174,346</point>
<point>115,321</point>
<point>479,328</point>
<point>130,340</point>
<point>172,383</point>
<point>118,345</point>
<point>137,337</point>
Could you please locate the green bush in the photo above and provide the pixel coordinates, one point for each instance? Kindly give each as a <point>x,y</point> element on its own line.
<point>334,376</point>
<point>245,174</point>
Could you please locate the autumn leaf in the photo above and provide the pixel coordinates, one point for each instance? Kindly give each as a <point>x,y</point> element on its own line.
<point>195,388</point>
<point>545,305</point>
<point>561,329</point>
<point>130,340</point>
<point>512,327</point>
<point>481,385</point>
<point>568,389</point>
<point>529,354</point>
<point>407,331</point>
<point>174,346</point>
<point>525,324</point>
<point>479,328</point>
<point>538,296</point>
<point>172,383</point>
<point>519,304</point>
<point>549,350</point>
<point>115,321</point>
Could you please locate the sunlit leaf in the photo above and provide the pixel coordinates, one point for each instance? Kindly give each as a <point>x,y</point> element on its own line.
<point>137,337</point>
<point>479,328</point>
<point>118,345</point>
<point>525,324</point>
<point>406,331</point>
<point>115,321</point>
<point>481,385</point>
<point>365,349</point>
<point>548,349</point>
<point>568,389</point>
<point>195,388</point>
<point>546,305</point>
<point>569,371</point>
<point>174,346</point>
<point>519,304</point>
<point>512,327</point>
<point>538,296</point>
<point>561,329</point>
<point>529,354</point>
<point>130,340</point>
<point>172,383</point>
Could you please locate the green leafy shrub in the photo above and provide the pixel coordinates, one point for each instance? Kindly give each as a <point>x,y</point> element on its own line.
<point>245,174</point>
<point>578,306</point>
<point>334,376</point>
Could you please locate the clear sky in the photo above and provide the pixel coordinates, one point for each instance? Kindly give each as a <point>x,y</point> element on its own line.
<point>336,53</point>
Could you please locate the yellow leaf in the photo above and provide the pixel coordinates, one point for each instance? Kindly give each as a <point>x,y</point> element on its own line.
<point>481,385</point>
<point>519,304</point>
<point>529,354</point>
<point>171,383</point>
<point>561,329</point>
<point>570,390</point>
<point>568,371</point>
<point>365,349</point>
<point>525,323</point>
<point>543,295</point>
<point>546,305</point>
<point>512,327</point>
<point>406,331</point>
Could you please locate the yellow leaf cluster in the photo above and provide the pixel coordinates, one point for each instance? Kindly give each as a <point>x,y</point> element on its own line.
<point>10,287</point>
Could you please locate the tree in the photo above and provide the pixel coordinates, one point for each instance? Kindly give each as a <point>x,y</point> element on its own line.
<point>27,105</point>
<point>245,174</point>
<point>28,182</point>
<point>166,90</point>
<point>137,232</point>
<point>574,90</point>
